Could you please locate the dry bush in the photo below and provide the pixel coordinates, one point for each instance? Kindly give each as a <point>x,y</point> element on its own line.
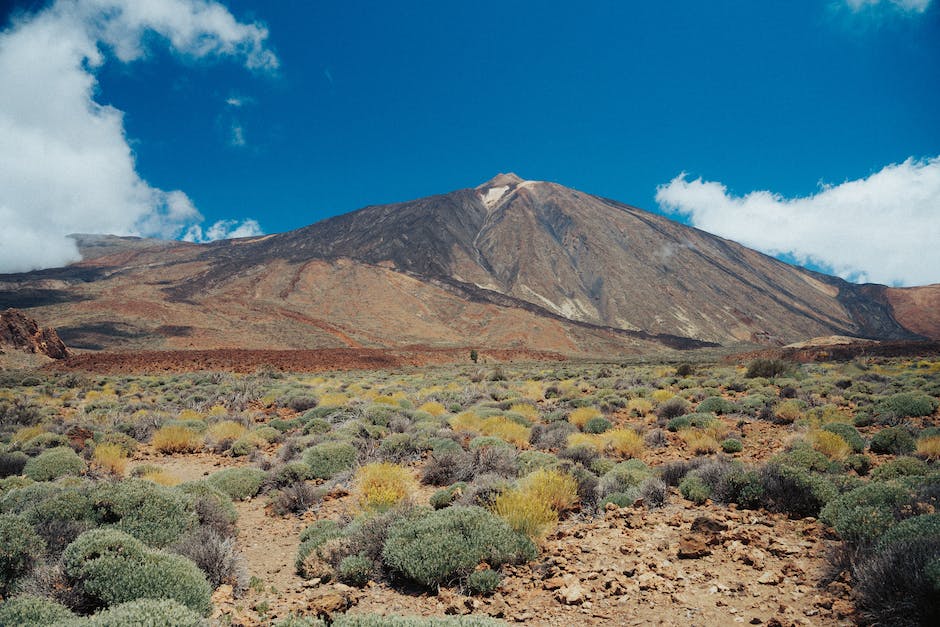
<point>434,408</point>
<point>700,442</point>
<point>591,441</point>
<point>830,444</point>
<point>929,448</point>
<point>227,430</point>
<point>176,439</point>
<point>380,486</point>
<point>506,429</point>
<point>111,457</point>
<point>639,407</point>
<point>625,443</point>
<point>581,415</point>
<point>525,512</point>
<point>466,421</point>
<point>161,477</point>
<point>525,410</point>
<point>558,489</point>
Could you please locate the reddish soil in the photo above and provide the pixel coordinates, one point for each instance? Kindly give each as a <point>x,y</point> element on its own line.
<point>311,360</point>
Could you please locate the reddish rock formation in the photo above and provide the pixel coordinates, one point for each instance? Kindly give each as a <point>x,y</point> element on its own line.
<point>23,333</point>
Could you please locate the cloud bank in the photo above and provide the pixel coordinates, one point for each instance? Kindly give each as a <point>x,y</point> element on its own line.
<point>65,162</point>
<point>907,6</point>
<point>883,229</point>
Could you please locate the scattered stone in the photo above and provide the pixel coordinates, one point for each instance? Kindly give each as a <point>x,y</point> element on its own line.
<point>570,595</point>
<point>692,547</point>
<point>769,578</point>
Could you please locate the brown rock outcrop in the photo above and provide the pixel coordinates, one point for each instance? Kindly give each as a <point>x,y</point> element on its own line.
<point>19,331</point>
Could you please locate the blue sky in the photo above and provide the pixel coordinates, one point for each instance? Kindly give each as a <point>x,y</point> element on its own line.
<point>380,102</point>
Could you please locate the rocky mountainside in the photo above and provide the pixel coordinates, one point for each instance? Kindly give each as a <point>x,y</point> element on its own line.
<point>510,263</point>
<point>20,332</point>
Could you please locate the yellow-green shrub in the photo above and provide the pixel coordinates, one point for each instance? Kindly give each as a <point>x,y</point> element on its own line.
<point>226,430</point>
<point>699,441</point>
<point>929,447</point>
<point>382,485</point>
<point>581,415</point>
<point>588,440</point>
<point>111,457</point>
<point>525,512</point>
<point>433,407</point>
<point>639,406</point>
<point>626,443</point>
<point>466,421</point>
<point>176,439</point>
<point>830,444</point>
<point>525,410</point>
<point>661,396</point>
<point>558,489</point>
<point>506,429</point>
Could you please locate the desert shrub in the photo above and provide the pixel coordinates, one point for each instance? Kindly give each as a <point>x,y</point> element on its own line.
<point>12,463</point>
<point>440,546</point>
<point>289,474</point>
<point>60,516</point>
<point>20,547</point>
<point>923,526</point>
<point>672,408</point>
<point>892,440</point>
<point>900,467</point>
<point>624,477</point>
<point>656,439</point>
<point>907,405</point>
<point>483,441</point>
<point>44,441</point>
<point>302,403</point>
<point>296,498</point>
<point>212,506</point>
<point>222,435</point>
<point>598,424</point>
<point>111,457</point>
<point>381,620</point>
<point>699,442</point>
<point>33,611</point>
<point>802,456</point>
<point>929,447</point>
<point>483,582</point>
<point>620,499</point>
<point>314,425</point>
<point>625,443</point>
<point>398,447</point>
<point>447,468</point>
<point>732,445</point>
<point>794,491</point>
<point>524,512</point>
<point>216,556</point>
<point>445,496</point>
<point>848,433</point>
<point>176,438</point>
<point>288,425</point>
<point>861,516</point>
<point>238,483</point>
<point>559,490</point>
<point>329,458</point>
<point>150,612</point>
<point>861,464</point>
<point>506,429</point>
<point>654,492</point>
<point>551,436</point>
<point>639,407</point>
<point>113,567</point>
<point>788,412</point>
<point>529,461</point>
<point>716,405</point>
<point>54,463</point>
<point>898,585</point>
<point>678,423</point>
<point>497,460</point>
<point>354,570</point>
<point>381,486</point>
<point>830,444</point>
<point>766,368</point>
<point>694,488</point>
<point>308,563</point>
<point>155,514</point>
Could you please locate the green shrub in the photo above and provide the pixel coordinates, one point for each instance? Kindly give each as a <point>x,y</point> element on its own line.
<point>12,463</point>
<point>434,547</point>
<point>354,570</point>
<point>54,463</point>
<point>530,461</point>
<point>598,424</point>
<point>794,490</point>
<point>155,514</point>
<point>898,585</point>
<point>483,581</point>
<point>113,567</point>
<point>678,423</point>
<point>766,368</point>
<point>907,405</point>
<point>311,539</point>
<point>208,500</point>
<point>893,440</point>
<point>32,611</point>
<point>732,445</point>
<point>330,458</point>
<point>446,496</point>
<point>672,408</point>
<point>861,464</point>
<point>848,433</point>
<point>290,473</point>
<point>923,526</point>
<point>20,546</point>
<point>695,489</point>
<point>44,441</point>
<point>861,516</point>
<point>716,405</point>
<point>620,499</point>
<point>149,612</point>
<point>803,456</point>
<point>900,467</point>
<point>238,483</point>
<point>623,477</point>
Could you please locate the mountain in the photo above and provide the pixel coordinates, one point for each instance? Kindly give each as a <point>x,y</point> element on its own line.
<point>511,263</point>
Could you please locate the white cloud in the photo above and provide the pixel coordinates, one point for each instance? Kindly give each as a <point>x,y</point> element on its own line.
<point>223,229</point>
<point>65,162</point>
<point>238,135</point>
<point>909,6</point>
<point>883,228</point>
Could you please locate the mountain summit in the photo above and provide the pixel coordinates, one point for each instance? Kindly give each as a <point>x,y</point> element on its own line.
<point>510,262</point>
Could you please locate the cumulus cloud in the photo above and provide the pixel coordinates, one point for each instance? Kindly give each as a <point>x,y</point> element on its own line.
<point>223,229</point>
<point>907,6</point>
<point>65,162</point>
<point>882,229</point>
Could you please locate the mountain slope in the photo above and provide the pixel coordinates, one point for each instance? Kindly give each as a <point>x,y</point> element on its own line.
<point>511,262</point>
